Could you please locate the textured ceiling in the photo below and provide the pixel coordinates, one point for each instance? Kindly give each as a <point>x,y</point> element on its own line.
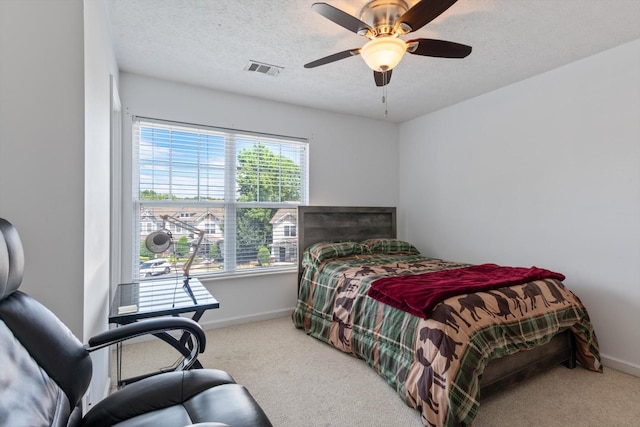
<point>210,42</point>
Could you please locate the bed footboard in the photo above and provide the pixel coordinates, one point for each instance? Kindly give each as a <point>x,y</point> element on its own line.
<point>502,373</point>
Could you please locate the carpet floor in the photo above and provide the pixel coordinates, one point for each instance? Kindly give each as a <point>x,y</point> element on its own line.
<point>300,381</point>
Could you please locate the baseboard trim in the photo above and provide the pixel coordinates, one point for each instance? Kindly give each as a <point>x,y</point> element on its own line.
<point>231,321</point>
<point>240,320</point>
<point>107,388</point>
<point>86,401</point>
<point>620,365</point>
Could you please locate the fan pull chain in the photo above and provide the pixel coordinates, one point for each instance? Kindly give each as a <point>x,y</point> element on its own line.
<point>385,94</point>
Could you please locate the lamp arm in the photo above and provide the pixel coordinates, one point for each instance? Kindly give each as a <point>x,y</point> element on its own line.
<point>187,266</point>
<point>189,227</point>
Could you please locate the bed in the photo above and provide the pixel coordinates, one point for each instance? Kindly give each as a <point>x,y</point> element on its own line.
<point>467,346</point>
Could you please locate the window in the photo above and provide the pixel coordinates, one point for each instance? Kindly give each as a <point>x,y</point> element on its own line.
<point>240,189</point>
<point>290,230</point>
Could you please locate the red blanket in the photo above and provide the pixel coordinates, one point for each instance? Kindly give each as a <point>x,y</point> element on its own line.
<point>419,293</point>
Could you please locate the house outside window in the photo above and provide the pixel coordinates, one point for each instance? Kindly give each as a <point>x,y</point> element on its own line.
<point>285,242</point>
<point>240,189</point>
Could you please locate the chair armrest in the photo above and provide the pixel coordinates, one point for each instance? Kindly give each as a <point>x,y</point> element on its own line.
<point>146,327</point>
<point>152,327</point>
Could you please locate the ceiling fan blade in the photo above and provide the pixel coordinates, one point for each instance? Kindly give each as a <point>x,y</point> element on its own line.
<point>332,58</point>
<point>382,79</point>
<point>343,19</point>
<point>438,48</point>
<point>421,14</point>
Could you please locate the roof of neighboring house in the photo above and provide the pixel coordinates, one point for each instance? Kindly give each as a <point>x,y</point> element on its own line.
<point>285,214</point>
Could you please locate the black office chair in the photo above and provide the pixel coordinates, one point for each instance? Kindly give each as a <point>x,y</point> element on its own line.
<point>45,370</point>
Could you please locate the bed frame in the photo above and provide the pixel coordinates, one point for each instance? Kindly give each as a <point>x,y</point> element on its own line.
<point>342,223</point>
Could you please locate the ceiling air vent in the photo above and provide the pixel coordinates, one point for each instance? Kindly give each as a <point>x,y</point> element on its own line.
<point>260,67</point>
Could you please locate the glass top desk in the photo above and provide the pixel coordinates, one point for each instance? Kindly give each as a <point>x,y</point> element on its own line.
<point>160,297</point>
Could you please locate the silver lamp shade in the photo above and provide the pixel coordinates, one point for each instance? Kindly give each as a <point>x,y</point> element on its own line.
<point>158,241</point>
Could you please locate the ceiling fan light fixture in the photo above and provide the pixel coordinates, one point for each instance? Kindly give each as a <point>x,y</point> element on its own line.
<point>383,53</point>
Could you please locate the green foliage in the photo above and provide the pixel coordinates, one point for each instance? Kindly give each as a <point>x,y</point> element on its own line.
<point>144,252</point>
<point>263,176</point>
<point>264,256</point>
<point>253,231</point>
<point>152,195</point>
<point>182,247</point>
<point>214,252</point>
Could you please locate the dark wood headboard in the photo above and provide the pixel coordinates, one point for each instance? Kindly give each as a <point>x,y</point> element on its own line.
<point>341,223</point>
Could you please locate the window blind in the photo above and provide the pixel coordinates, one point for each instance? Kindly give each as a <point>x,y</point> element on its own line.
<point>240,188</point>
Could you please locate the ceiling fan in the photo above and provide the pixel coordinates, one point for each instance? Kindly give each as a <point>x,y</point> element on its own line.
<point>383,21</point>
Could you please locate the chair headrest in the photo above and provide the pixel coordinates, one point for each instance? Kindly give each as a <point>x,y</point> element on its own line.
<point>11,259</point>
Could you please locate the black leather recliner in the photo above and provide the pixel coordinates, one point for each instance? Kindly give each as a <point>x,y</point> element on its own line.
<point>45,370</point>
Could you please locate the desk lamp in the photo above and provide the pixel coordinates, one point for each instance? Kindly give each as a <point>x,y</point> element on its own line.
<point>159,241</point>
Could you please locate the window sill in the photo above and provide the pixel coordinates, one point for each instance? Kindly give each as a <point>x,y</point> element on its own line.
<point>242,274</point>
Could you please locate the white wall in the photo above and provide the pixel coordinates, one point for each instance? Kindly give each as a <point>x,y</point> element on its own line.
<point>544,172</point>
<point>54,157</point>
<point>42,147</point>
<point>100,66</point>
<point>353,161</point>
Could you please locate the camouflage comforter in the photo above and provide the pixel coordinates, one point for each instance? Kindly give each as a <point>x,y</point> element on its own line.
<point>435,364</point>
